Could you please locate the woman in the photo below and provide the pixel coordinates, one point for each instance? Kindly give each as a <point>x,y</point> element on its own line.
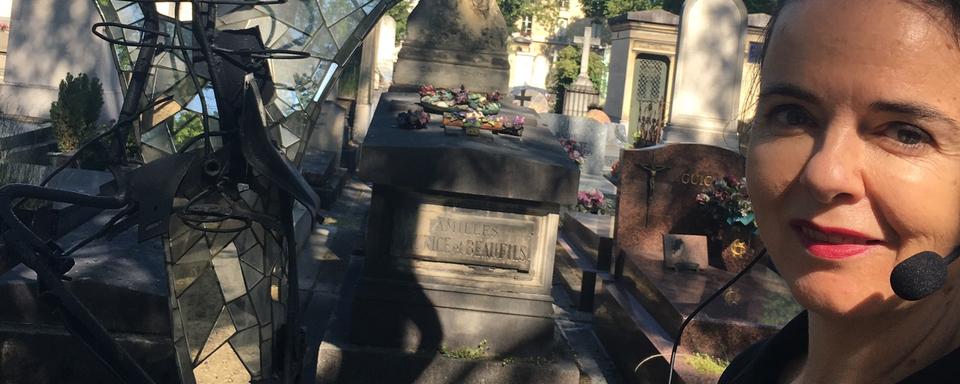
<point>854,166</point>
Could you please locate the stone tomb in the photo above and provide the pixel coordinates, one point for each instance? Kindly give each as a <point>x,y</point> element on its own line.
<point>459,258</point>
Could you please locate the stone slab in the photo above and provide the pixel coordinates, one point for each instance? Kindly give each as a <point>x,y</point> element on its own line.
<point>493,166</point>
<point>107,273</point>
<point>592,236</point>
<point>755,307</point>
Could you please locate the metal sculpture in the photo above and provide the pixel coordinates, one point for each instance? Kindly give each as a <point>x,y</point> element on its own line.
<point>220,99</point>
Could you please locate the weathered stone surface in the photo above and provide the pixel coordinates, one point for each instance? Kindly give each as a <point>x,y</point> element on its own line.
<point>453,42</point>
<point>706,93</point>
<point>589,133</point>
<point>328,136</point>
<point>530,97</point>
<point>488,165</point>
<point>468,236</point>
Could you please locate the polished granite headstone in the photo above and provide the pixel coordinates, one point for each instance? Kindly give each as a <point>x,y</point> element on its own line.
<point>459,254</point>
<point>658,190</point>
<point>657,196</point>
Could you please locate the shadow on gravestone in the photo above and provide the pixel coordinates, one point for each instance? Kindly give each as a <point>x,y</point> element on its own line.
<point>531,97</point>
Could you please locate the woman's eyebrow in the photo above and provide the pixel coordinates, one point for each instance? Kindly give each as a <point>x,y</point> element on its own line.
<point>789,90</point>
<point>917,110</point>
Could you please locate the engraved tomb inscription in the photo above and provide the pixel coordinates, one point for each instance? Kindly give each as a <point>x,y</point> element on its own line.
<point>465,236</point>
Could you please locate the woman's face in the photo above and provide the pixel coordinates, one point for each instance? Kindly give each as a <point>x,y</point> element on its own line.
<point>854,163</point>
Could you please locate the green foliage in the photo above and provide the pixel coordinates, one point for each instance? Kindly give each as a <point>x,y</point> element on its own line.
<point>400,12</point>
<point>75,113</point>
<point>188,125</point>
<point>544,12</point>
<point>350,78</point>
<point>706,364</point>
<point>567,67</point>
<point>466,353</point>
<point>753,6</point>
<point>601,10</point>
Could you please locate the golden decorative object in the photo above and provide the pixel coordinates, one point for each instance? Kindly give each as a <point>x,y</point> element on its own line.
<point>738,248</point>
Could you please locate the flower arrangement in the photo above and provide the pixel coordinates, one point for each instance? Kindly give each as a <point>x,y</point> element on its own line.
<point>440,100</point>
<point>593,202</point>
<point>574,150</point>
<point>4,27</point>
<point>727,200</point>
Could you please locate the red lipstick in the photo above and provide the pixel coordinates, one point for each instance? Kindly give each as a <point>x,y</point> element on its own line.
<point>832,243</point>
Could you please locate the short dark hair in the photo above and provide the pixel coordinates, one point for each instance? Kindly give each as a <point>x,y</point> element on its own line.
<point>950,9</point>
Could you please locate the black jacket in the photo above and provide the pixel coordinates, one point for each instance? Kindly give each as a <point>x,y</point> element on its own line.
<point>765,361</point>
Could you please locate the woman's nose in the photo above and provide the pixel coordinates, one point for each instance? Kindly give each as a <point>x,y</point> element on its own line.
<point>833,173</point>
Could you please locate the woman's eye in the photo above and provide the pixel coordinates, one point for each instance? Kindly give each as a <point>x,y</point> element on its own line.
<point>907,135</point>
<point>790,115</point>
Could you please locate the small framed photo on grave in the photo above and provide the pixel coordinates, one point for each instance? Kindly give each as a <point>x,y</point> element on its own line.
<point>684,252</point>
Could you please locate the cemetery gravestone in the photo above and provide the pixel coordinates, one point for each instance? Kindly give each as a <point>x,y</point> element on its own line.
<point>589,133</point>
<point>451,42</point>
<point>658,192</point>
<point>706,92</point>
<point>657,196</point>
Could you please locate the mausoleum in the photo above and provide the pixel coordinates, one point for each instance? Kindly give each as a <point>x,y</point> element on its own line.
<point>643,66</point>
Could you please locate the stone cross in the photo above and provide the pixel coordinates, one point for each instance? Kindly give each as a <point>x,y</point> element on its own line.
<point>585,55</point>
<point>523,97</point>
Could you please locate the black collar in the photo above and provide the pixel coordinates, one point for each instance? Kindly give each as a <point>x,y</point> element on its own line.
<point>766,361</point>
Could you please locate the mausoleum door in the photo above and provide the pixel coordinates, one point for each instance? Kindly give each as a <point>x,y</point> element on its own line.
<point>650,96</point>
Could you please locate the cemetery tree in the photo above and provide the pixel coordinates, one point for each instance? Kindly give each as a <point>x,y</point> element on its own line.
<point>75,112</point>
<point>600,10</point>
<point>567,67</point>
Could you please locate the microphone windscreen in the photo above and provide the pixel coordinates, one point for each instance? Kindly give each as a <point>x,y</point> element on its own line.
<point>919,276</point>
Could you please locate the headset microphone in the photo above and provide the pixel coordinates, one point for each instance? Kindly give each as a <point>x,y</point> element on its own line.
<point>921,275</point>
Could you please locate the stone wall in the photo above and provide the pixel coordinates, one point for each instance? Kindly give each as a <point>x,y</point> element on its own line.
<point>49,38</point>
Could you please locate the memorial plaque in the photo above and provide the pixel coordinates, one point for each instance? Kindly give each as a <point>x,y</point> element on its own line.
<point>684,252</point>
<point>465,236</point>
